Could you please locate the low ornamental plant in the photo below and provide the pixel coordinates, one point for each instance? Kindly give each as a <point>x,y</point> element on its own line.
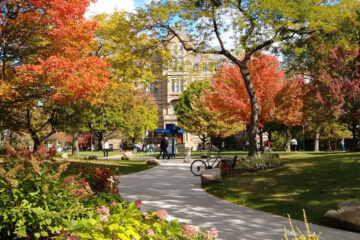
<point>33,202</point>
<point>126,222</point>
<point>259,161</point>
<point>100,178</point>
<point>301,236</point>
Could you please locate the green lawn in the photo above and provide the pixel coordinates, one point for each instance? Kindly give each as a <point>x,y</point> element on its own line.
<point>312,181</point>
<point>119,167</point>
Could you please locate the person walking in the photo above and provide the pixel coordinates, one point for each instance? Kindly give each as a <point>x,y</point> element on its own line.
<point>293,144</point>
<point>342,145</point>
<point>106,148</point>
<point>163,147</point>
<point>151,148</point>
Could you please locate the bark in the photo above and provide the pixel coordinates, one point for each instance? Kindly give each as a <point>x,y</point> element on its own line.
<point>288,139</point>
<point>36,143</point>
<point>329,145</point>
<point>203,141</point>
<point>253,101</point>
<point>270,135</point>
<point>317,136</point>
<point>75,144</point>
<point>261,140</point>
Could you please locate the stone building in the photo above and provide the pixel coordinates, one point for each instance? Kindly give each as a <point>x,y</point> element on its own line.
<point>184,68</point>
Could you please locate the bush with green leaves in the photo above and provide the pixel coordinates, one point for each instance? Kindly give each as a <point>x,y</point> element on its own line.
<point>33,201</point>
<point>259,161</point>
<point>125,221</point>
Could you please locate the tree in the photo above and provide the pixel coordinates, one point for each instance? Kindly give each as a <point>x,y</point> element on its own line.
<point>195,117</point>
<point>134,55</point>
<point>333,130</point>
<point>289,102</point>
<point>257,25</point>
<point>124,111</point>
<point>46,63</point>
<point>142,117</point>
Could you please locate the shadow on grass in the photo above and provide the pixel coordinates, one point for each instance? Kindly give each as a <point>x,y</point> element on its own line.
<point>315,182</point>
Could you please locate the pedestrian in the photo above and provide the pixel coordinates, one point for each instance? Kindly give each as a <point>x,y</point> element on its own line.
<point>106,149</point>
<point>342,145</point>
<point>151,148</point>
<point>293,144</point>
<point>163,147</point>
<point>269,145</point>
<point>199,147</point>
<point>247,145</point>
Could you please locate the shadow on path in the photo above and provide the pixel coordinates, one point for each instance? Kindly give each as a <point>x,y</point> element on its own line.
<point>171,186</point>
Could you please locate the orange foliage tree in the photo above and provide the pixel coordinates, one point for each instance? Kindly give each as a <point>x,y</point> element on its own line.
<point>46,63</point>
<point>280,100</point>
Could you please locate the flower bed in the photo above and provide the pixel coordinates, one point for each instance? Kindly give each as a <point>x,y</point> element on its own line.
<point>40,199</point>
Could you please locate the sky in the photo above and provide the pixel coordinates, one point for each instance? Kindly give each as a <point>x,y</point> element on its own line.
<point>108,6</point>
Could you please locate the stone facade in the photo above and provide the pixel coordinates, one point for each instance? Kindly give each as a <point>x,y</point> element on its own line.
<point>183,69</point>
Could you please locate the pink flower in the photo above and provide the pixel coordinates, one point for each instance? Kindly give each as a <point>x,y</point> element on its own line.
<point>211,234</point>
<point>150,232</point>
<point>161,213</point>
<point>190,231</point>
<point>114,204</point>
<point>147,216</point>
<point>138,203</point>
<point>104,218</point>
<point>72,237</point>
<point>102,210</point>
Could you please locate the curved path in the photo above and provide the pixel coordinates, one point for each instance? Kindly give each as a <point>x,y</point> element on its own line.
<point>171,186</point>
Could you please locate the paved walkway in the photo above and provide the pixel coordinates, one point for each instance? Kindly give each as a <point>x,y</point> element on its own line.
<point>171,186</point>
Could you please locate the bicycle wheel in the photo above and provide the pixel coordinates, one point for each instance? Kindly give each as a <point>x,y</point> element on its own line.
<point>197,167</point>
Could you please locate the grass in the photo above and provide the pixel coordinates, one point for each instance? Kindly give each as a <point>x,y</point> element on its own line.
<point>119,167</point>
<point>312,181</point>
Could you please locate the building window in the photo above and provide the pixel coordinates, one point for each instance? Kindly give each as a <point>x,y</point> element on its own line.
<point>180,49</point>
<point>205,67</point>
<point>174,48</point>
<point>173,85</point>
<point>180,64</point>
<point>181,85</point>
<point>177,85</point>
<point>174,64</point>
<point>156,87</point>
<point>150,87</point>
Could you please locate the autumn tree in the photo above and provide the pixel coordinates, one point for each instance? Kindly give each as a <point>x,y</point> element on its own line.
<point>45,63</point>
<point>135,55</point>
<point>195,117</point>
<point>125,112</point>
<point>229,96</point>
<point>256,25</point>
<point>289,106</point>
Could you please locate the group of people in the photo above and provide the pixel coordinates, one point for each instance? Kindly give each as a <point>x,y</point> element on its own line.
<point>168,148</point>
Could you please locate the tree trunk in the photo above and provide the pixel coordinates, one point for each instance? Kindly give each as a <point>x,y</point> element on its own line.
<point>75,144</point>
<point>100,138</point>
<point>329,145</point>
<point>270,135</point>
<point>36,143</point>
<point>288,139</point>
<point>203,141</point>
<point>243,65</point>
<point>261,141</point>
<point>317,136</point>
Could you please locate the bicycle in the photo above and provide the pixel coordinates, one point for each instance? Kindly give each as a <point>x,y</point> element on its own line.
<point>225,165</point>
<point>198,166</point>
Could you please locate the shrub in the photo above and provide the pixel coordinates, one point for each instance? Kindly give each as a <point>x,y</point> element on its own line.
<point>99,177</point>
<point>102,199</point>
<point>308,236</point>
<point>125,221</point>
<point>33,202</point>
<point>259,161</point>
